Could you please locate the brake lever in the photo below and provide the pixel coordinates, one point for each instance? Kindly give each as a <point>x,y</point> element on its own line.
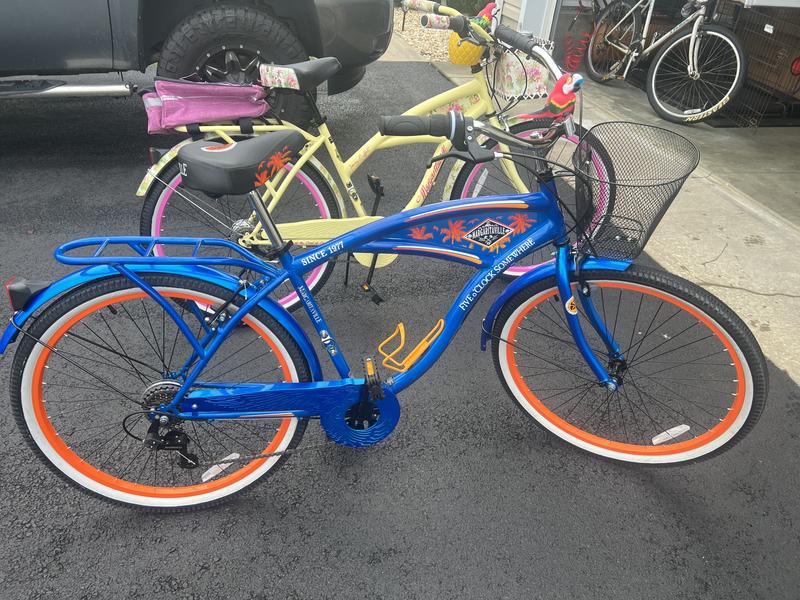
<point>459,155</point>
<point>472,39</point>
<point>475,153</point>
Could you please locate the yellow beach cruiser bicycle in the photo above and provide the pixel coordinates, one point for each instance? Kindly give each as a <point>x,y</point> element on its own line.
<point>301,194</point>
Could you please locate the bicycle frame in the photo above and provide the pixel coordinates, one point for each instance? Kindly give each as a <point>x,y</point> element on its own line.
<point>633,56</point>
<point>526,222</point>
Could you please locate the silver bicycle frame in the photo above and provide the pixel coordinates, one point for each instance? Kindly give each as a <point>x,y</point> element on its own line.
<point>632,55</point>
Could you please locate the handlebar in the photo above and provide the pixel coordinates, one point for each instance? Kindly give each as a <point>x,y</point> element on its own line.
<point>422,5</point>
<point>427,6</point>
<point>462,131</point>
<point>445,17</point>
<point>520,41</point>
<point>531,45</point>
<point>458,24</point>
<point>406,125</point>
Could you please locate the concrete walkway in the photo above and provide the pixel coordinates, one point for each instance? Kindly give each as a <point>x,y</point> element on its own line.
<point>734,229</point>
<point>401,50</point>
<point>718,233</point>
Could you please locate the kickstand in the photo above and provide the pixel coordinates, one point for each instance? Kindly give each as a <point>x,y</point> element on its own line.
<point>377,187</point>
<point>347,268</point>
<point>367,288</point>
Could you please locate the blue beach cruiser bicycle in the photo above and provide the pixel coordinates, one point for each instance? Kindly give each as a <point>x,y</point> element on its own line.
<point>164,382</point>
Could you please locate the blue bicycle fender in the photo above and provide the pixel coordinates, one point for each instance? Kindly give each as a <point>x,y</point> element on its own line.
<point>541,272</point>
<point>222,279</point>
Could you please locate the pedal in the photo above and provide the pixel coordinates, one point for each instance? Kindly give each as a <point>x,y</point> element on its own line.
<point>374,295</point>
<point>372,379</point>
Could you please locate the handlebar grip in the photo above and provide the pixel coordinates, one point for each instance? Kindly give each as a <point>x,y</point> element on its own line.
<point>422,5</point>
<point>404,125</point>
<point>435,21</point>
<point>515,39</point>
<point>457,24</point>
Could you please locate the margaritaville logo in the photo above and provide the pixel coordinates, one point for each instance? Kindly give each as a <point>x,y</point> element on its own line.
<point>488,233</point>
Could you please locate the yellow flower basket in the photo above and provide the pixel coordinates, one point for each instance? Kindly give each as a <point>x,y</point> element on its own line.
<point>465,53</point>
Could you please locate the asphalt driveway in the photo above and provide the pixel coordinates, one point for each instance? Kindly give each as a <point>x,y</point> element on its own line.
<point>467,499</point>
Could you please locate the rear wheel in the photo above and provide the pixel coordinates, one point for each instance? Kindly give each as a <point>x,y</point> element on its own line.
<point>170,209</point>
<point>721,68</point>
<point>616,28</point>
<point>693,382</point>
<point>109,354</point>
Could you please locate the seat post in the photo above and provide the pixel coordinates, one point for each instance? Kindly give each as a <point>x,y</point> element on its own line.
<point>316,119</point>
<point>266,220</point>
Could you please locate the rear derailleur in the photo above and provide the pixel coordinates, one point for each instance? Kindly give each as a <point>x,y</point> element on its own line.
<point>173,439</point>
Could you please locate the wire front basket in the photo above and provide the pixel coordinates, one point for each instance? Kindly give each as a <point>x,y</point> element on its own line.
<point>627,175</point>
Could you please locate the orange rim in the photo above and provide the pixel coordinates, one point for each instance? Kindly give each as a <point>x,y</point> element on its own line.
<point>622,447</point>
<point>122,485</point>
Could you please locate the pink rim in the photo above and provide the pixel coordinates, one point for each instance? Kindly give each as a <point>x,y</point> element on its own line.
<point>312,278</point>
<point>598,164</point>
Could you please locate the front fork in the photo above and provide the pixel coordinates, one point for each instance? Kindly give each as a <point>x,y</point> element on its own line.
<point>570,307</point>
<point>694,47</point>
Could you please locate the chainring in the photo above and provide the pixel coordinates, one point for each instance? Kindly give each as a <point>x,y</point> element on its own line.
<point>357,426</point>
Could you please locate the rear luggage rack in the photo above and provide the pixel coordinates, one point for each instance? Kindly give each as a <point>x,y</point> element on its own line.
<point>149,250</point>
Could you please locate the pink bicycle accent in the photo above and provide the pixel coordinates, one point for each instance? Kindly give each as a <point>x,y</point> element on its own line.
<point>313,277</point>
<point>176,102</point>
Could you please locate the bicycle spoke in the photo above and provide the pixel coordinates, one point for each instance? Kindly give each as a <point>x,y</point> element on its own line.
<point>73,337</point>
<point>680,396</point>
<point>668,408</point>
<point>245,363</point>
<point>657,427</point>
<point>93,416</point>
<point>672,375</point>
<point>716,74</point>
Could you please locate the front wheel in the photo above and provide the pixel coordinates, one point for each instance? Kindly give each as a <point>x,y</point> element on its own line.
<point>683,97</point>
<point>109,355</point>
<point>692,378</point>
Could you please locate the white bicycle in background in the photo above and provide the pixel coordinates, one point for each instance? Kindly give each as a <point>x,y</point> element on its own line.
<point>698,66</point>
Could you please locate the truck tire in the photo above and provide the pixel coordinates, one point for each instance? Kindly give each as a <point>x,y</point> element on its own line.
<point>226,43</point>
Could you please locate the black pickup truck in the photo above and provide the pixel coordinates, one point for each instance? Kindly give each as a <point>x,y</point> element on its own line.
<point>216,40</point>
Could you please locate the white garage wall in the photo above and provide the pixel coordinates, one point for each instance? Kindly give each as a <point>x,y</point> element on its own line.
<point>535,16</point>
